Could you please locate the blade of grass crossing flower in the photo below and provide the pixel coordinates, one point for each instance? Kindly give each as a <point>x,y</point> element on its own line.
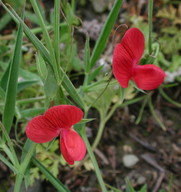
<point>10,99</point>
<point>54,181</point>
<point>69,87</point>
<point>101,42</point>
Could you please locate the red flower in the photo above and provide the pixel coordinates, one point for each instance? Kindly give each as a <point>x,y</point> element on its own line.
<point>59,120</point>
<point>126,57</point>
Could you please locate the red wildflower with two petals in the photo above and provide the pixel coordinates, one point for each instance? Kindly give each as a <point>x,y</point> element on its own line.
<point>59,120</point>
<point>126,58</point>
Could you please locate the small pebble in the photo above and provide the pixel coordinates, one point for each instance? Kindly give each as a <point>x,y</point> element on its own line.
<point>130,160</point>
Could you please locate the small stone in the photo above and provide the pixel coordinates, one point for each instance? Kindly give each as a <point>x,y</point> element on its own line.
<point>130,160</point>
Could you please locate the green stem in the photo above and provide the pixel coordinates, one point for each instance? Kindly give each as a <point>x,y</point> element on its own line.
<point>103,119</point>
<point>99,133</point>
<point>165,96</point>
<point>95,164</point>
<point>150,104</point>
<point>23,167</point>
<point>18,182</point>
<point>30,100</point>
<point>142,109</point>
<point>150,13</point>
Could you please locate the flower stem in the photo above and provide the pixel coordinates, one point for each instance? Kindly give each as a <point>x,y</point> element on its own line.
<point>18,182</point>
<point>94,161</point>
<point>150,13</point>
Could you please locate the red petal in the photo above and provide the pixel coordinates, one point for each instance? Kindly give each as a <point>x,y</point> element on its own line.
<point>65,153</point>
<point>40,130</point>
<point>133,42</point>
<point>127,54</point>
<point>122,65</point>
<point>64,116</point>
<point>148,76</point>
<point>72,146</point>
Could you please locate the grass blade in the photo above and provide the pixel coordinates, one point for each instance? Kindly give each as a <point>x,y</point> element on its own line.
<point>4,21</point>
<point>10,99</point>
<point>56,39</point>
<point>6,162</point>
<point>101,42</point>
<point>150,13</point>
<point>55,182</point>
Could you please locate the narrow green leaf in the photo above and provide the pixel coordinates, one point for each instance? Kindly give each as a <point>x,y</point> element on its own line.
<point>56,40</point>
<point>86,120</point>
<point>102,40</point>
<point>6,18</point>
<point>6,162</point>
<point>31,112</point>
<point>41,66</point>
<point>113,189</point>
<point>4,79</point>
<point>129,188</point>
<point>2,93</point>
<point>50,85</point>
<point>10,99</point>
<point>150,13</point>
<point>143,189</point>
<point>54,181</point>
<point>25,84</point>
<point>31,17</point>
<point>142,109</point>
<point>30,100</point>
<point>27,157</point>
<point>10,150</point>
<point>94,73</point>
<point>26,148</point>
